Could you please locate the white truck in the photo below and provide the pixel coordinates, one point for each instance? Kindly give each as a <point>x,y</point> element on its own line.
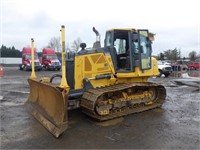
<point>164,68</point>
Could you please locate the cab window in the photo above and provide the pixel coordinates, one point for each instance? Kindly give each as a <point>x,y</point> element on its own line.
<point>120,46</point>
<point>108,39</point>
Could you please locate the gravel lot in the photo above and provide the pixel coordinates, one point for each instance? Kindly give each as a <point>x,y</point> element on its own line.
<point>174,126</point>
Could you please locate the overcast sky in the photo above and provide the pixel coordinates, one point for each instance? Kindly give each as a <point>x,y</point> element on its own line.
<point>176,23</point>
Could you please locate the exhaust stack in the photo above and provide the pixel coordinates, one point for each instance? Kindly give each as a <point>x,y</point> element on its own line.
<point>96,44</point>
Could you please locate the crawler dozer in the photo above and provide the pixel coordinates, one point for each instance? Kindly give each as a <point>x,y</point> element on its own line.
<point>105,82</point>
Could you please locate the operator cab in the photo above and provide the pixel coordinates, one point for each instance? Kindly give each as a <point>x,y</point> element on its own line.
<point>129,49</point>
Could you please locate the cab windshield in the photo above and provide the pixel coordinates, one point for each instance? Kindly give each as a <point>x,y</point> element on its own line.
<point>51,57</point>
<point>29,56</point>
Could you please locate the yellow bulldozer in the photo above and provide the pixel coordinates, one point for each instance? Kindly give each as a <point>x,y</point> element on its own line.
<point>105,82</point>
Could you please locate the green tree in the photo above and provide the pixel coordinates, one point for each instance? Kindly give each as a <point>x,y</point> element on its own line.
<point>161,56</point>
<point>193,55</point>
<point>9,52</point>
<point>174,54</point>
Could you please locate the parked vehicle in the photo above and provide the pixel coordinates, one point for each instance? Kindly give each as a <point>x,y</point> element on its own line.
<point>164,68</point>
<point>1,71</point>
<point>180,65</point>
<point>194,65</point>
<point>50,60</point>
<point>26,60</point>
<point>183,62</point>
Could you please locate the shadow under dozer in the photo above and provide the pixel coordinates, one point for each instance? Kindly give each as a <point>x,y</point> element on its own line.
<point>48,104</point>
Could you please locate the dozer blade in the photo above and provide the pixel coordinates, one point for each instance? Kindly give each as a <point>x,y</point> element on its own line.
<point>48,104</point>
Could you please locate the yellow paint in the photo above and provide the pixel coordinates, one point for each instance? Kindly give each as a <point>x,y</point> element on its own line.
<point>149,103</point>
<point>91,65</point>
<point>128,29</point>
<point>45,79</point>
<point>63,83</point>
<point>33,74</point>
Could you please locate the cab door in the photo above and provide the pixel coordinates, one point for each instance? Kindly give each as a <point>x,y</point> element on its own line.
<point>144,49</point>
<point>108,44</point>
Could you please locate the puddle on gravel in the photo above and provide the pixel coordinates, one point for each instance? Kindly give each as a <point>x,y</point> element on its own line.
<point>11,104</point>
<point>158,110</point>
<point>196,90</point>
<point>109,122</point>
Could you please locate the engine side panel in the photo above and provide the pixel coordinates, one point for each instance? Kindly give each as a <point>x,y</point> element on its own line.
<point>89,66</point>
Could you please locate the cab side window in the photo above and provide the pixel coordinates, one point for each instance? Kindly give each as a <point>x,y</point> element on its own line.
<point>120,46</point>
<point>108,39</point>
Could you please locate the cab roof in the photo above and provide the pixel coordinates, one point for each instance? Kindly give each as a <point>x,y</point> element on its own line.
<point>125,29</point>
<point>151,35</point>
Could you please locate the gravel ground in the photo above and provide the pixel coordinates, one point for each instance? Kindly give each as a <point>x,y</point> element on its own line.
<point>174,126</point>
